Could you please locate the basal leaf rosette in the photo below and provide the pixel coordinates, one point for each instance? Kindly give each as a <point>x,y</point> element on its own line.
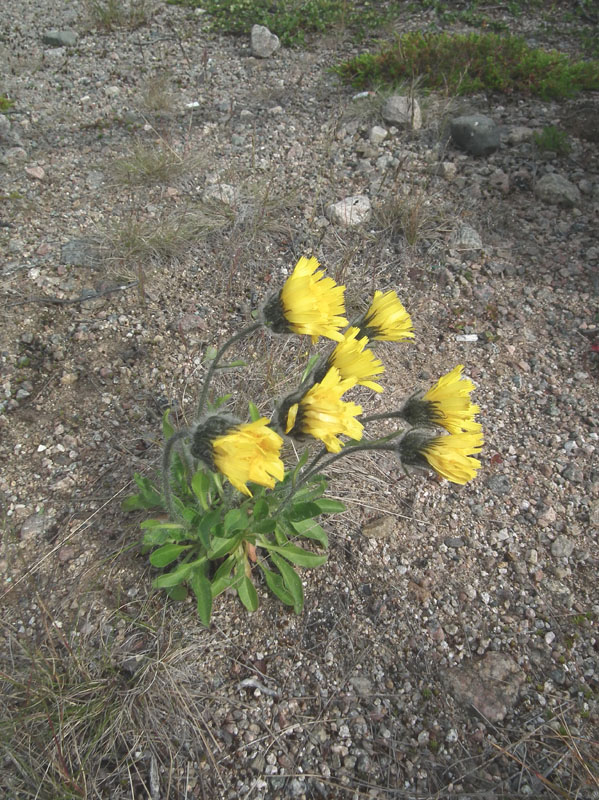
<point>447,404</point>
<point>450,455</point>
<point>322,414</point>
<point>386,320</point>
<point>309,303</point>
<point>243,452</point>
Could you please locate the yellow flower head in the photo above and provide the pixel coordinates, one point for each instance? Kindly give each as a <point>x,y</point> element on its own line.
<point>308,304</point>
<point>386,319</point>
<point>353,361</point>
<point>242,452</point>
<point>447,403</point>
<point>322,413</point>
<point>449,455</point>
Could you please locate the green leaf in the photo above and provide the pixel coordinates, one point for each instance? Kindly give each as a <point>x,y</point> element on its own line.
<point>203,592</point>
<point>254,412</point>
<point>239,363</point>
<point>178,575</point>
<point>166,554</point>
<point>297,555</point>
<point>312,490</point>
<point>291,580</point>
<point>156,537</point>
<point>327,505</point>
<point>312,530</point>
<point>221,546</point>
<point>280,532</point>
<point>177,593</point>
<point>236,519</point>
<point>309,366</point>
<point>200,484</point>
<point>301,511</point>
<point>264,526</point>
<point>261,509</point>
<point>247,593</point>
<point>210,353</point>
<point>147,497</point>
<point>160,523</point>
<point>302,462</point>
<point>167,428</point>
<point>208,526</point>
<point>276,586</point>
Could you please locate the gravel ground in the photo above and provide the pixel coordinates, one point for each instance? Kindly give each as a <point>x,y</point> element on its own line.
<point>448,650</point>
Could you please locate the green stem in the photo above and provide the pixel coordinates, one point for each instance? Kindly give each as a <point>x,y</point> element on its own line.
<point>217,358</point>
<point>166,471</point>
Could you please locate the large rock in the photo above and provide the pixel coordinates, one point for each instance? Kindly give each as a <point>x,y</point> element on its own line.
<point>465,238</point>
<point>55,38</point>
<point>351,211</point>
<point>263,42</point>
<point>491,686</point>
<point>404,112</point>
<point>557,190</point>
<point>475,133</point>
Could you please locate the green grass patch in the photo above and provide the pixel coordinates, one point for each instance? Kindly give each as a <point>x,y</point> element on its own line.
<point>552,139</point>
<point>467,63</point>
<point>291,20</point>
<point>5,103</point>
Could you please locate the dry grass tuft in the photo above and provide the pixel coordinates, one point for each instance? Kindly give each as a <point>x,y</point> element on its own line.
<point>157,94</point>
<point>110,715</point>
<point>152,164</point>
<point>110,14</point>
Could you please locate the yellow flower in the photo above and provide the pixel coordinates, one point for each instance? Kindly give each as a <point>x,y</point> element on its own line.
<point>322,413</point>
<point>249,452</point>
<point>308,304</point>
<point>448,455</point>
<point>447,403</point>
<point>386,319</point>
<point>353,361</point>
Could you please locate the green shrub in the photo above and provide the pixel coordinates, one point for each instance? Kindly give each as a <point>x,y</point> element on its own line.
<point>293,19</point>
<point>5,103</point>
<point>552,139</point>
<point>466,63</point>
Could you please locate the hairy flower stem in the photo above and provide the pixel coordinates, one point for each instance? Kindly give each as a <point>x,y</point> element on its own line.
<point>166,471</point>
<point>382,415</point>
<point>211,369</point>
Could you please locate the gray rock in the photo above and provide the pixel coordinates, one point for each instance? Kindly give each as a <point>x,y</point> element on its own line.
<point>351,211</point>
<point>519,134</point>
<point>263,42</point>
<point>35,526</point>
<point>361,685</point>
<point>562,547</point>
<point>454,541</point>
<point>475,133</point>
<point>465,238</point>
<point>557,190</point>
<point>221,192</point>
<point>499,484</point>
<point>402,111</point>
<point>80,253</point>
<point>491,686</point>
<point>54,38</point>
<point>5,134</point>
<point>380,528</point>
<point>377,135</point>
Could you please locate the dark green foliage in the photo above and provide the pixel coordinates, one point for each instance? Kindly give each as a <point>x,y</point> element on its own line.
<point>466,63</point>
<point>293,19</point>
<point>552,139</point>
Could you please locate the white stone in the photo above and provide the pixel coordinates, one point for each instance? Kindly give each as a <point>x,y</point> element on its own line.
<point>221,192</point>
<point>377,135</point>
<point>402,111</point>
<point>263,42</point>
<point>351,211</point>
